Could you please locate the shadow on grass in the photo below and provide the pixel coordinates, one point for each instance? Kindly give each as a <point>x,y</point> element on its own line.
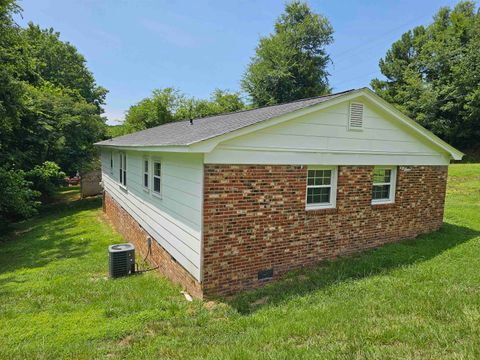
<point>372,262</point>
<point>47,237</point>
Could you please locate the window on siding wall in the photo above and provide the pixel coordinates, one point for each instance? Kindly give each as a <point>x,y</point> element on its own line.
<point>157,173</point>
<point>321,187</point>
<point>384,181</point>
<point>111,162</point>
<point>123,169</point>
<point>146,175</point>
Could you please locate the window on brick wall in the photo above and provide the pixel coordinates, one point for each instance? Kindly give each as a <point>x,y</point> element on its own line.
<point>384,181</point>
<point>321,187</point>
<point>123,169</point>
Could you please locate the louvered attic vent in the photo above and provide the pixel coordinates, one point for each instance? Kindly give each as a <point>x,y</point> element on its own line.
<point>355,120</point>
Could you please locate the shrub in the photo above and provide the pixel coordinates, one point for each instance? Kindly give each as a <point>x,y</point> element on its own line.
<point>46,178</point>
<point>17,200</point>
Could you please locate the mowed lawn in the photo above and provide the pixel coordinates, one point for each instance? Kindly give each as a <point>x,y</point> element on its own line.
<point>414,299</point>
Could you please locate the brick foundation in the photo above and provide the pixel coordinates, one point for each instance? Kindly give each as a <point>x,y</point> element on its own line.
<point>255,219</point>
<point>134,233</point>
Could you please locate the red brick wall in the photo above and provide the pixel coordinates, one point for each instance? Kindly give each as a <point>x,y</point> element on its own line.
<point>126,225</point>
<point>255,219</point>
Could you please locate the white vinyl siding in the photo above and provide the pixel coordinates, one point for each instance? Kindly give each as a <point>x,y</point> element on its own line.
<point>321,187</point>
<point>174,221</point>
<point>384,182</point>
<point>323,137</point>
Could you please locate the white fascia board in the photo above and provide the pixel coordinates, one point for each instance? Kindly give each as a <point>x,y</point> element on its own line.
<point>177,148</point>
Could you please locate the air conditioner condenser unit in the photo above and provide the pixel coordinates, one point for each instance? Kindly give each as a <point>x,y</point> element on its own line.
<point>121,259</point>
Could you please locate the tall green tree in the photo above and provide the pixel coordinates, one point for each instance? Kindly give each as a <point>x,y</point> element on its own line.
<point>61,64</point>
<point>15,67</point>
<point>433,75</point>
<point>50,113</point>
<point>291,63</point>
<point>158,109</point>
<point>50,105</point>
<point>170,104</point>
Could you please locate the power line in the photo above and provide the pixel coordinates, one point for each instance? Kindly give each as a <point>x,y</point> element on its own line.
<point>349,80</point>
<point>377,38</point>
<point>339,56</point>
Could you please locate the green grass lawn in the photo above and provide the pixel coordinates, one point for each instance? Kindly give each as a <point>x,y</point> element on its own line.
<point>414,299</point>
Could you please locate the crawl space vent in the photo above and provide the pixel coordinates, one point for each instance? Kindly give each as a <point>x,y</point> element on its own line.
<point>355,119</point>
<point>265,274</point>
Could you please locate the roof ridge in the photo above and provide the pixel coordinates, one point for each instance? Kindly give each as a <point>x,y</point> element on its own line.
<point>256,108</point>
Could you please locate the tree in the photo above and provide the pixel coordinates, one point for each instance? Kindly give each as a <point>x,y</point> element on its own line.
<point>170,104</point>
<point>50,105</point>
<point>290,64</point>
<point>152,111</point>
<point>18,201</point>
<point>226,101</point>
<point>61,64</point>
<point>15,66</point>
<point>50,113</point>
<point>221,102</point>
<point>46,178</point>
<point>433,75</point>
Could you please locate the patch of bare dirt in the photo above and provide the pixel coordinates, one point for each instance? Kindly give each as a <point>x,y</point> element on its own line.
<point>126,341</point>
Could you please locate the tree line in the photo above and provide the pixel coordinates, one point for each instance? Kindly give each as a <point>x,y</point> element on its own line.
<point>432,74</point>
<point>51,106</point>
<point>50,114</point>
<point>289,64</point>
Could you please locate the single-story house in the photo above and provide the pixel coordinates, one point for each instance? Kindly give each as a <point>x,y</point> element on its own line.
<point>235,200</point>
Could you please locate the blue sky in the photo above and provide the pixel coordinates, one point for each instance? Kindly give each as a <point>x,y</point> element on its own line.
<point>135,46</point>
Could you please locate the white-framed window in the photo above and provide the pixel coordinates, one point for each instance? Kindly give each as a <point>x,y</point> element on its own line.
<point>321,187</point>
<point>123,169</point>
<point>157,177</point>
<point>384,182</point>
<point>146,173</point>
<point>111,162</point>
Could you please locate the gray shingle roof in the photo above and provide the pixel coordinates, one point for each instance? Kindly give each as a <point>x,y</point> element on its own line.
<point>183,133</point>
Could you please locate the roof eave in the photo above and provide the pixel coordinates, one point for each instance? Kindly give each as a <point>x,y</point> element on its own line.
<point>142,147</point>
<point>208,144</point>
